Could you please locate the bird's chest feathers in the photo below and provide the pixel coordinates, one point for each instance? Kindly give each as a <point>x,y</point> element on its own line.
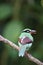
<point>23,35</point>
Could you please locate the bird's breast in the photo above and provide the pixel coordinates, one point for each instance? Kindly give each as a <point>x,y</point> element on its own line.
<point>25,40</point>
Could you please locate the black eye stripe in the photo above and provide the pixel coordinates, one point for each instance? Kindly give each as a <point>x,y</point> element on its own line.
<point>26,31</point>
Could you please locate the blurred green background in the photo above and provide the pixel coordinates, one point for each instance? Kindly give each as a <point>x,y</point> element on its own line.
<point>15,15</point>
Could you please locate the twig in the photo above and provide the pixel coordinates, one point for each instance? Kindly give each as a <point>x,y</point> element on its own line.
<point>13,45</point>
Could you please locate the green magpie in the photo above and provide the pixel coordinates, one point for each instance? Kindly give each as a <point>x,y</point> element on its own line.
<point>25,40</point>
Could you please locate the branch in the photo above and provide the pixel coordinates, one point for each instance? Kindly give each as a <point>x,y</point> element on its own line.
<point>27,55</point>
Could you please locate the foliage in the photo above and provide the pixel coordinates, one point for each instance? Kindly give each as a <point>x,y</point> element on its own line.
<point>5,11</point>
<point>14,17</point>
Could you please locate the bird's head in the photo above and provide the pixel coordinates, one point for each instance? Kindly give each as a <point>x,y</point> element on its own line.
<point>29,31</point>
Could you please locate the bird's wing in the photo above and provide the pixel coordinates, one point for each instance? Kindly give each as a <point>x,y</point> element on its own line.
<point>25,40</point>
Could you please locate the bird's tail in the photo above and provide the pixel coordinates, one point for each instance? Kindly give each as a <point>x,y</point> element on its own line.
<point>22,51</point>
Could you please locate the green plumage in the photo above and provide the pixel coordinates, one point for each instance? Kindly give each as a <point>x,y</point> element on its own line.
<point>27,36</point>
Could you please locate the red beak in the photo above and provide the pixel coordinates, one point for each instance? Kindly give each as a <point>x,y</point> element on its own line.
<point>33,32</point>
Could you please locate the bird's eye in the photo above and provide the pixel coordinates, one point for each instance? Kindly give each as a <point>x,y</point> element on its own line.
<point>28,31</point>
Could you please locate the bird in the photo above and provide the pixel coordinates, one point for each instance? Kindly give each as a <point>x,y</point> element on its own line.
<point>25,40</point>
